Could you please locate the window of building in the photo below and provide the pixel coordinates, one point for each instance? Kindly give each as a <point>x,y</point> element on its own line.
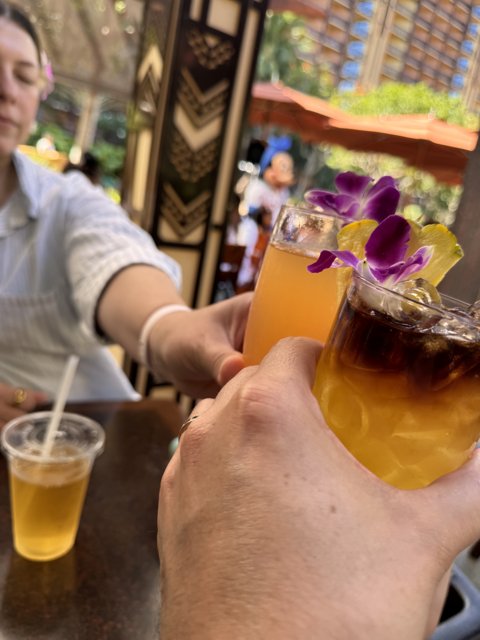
<point>365,8</point>
<point>360,29</point>
<point>458,81</point>
<point>346,85</point>
<point>355,49</point>
<point>350,69</point>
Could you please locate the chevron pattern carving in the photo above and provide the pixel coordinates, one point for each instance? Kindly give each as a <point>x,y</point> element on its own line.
<point>192,166</point>
<point>149,74</point>
<point>185,217</point>
<point>201,106</point>
<point>210,52</point>
<point>148,94</point>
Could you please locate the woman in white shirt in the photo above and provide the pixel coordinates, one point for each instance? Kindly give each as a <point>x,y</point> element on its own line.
<point>75,272</point>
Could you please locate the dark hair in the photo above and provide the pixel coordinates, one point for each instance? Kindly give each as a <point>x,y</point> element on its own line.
<point>19,18</point>
<point>259,213</point>
<point>90,166</point>
<point>235,201</point>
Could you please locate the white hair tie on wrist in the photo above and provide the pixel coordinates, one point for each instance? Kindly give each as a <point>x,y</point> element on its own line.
<point>148,325</point>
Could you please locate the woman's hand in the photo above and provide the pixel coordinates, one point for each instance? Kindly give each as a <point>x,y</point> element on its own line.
<point>196,351</point>
<point>16,401</point>
<point>200,351</point>
<point>269,528</point>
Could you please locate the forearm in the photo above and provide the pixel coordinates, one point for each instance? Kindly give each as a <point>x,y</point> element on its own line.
<point>197,352</point>
<point>244,586</point>
<point>129,299</point>
<point>322,618</point>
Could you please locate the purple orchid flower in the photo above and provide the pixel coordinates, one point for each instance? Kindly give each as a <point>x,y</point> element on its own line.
<point>385,251</point>
<point>358,198</point>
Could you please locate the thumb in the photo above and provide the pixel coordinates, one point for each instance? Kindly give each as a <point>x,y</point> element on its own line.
<point>229,367</point>
<point>226,344</point>
<point>457,501</point>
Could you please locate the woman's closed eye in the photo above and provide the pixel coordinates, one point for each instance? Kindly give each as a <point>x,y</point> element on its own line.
<point>27,79</point>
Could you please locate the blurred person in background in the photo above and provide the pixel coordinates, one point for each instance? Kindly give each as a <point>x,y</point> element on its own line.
<point>272,188</point>
<point>256,230</point>
<point>247,236</point>
<point>45,143</point>
<point>264,224</point>
<point>90,166</point>
<point>76,273</point>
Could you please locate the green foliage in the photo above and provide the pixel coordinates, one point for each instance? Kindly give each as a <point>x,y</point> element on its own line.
<point>112,125</point>
<point>59,116</point>
<point>62,139</point>
<point>111,157</point>
<point>288,55</point>
<point>398,98</point>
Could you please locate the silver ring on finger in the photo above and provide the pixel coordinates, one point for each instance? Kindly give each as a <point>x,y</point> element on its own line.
<point>185,425</point>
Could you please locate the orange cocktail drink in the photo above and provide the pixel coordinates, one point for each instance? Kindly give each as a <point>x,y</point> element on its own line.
<point>288,301</point>
<point>399,383</point>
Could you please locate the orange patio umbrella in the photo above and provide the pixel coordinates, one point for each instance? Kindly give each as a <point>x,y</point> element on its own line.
<point>273,103</point>
<point>305,8</point>
<point>421,140</point>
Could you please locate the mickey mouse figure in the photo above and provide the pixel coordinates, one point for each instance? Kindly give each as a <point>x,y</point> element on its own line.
<point>272,189</point>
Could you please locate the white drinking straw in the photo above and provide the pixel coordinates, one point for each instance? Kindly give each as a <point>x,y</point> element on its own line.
<point>66,383</point>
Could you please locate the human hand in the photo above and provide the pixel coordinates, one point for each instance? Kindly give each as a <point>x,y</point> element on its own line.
<point>16,401</point>
<point>200,351</point>
<point>269,528</point>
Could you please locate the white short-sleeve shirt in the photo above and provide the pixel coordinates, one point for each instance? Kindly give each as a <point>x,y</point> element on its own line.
<point>61,241</point>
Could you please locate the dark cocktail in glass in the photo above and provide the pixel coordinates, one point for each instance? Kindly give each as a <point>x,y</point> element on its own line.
<point>399,382</point>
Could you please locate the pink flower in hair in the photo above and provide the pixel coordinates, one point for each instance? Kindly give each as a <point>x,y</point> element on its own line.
<point>48,75</point>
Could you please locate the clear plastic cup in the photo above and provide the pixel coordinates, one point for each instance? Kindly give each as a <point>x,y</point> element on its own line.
<point>47,492</point>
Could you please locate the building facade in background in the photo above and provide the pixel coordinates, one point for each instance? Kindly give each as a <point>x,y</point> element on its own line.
<point>367,43</point>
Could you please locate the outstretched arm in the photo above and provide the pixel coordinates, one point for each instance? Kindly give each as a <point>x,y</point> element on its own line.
<point>197,351</point>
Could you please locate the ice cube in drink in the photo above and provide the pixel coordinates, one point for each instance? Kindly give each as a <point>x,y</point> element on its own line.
<point>403,397</point>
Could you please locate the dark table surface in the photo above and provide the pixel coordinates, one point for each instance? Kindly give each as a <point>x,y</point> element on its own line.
<point>107,587</point>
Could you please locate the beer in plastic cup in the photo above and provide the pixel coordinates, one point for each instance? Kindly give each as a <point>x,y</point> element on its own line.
<point>47,491</point>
